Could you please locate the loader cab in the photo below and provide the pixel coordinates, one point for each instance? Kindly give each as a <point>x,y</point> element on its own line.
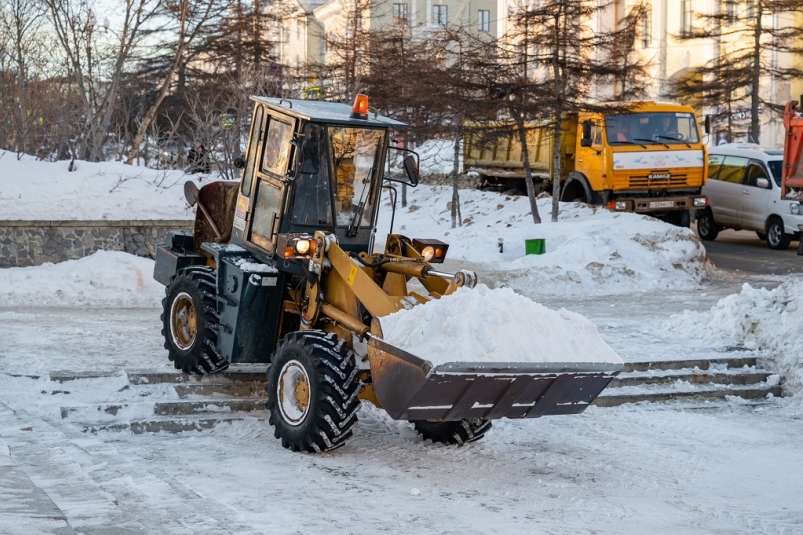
<point>310,166</point>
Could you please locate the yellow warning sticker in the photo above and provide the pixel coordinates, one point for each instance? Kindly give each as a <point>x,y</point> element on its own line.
<point>352,274</point>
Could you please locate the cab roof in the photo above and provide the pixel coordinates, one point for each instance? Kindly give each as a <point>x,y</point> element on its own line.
<point>326,112</point>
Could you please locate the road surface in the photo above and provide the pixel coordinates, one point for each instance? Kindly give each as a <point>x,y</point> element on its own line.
<point>742,251</point>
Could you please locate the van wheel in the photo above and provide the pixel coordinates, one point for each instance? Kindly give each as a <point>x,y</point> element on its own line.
<point>707,228</point>
<point>776,237</point>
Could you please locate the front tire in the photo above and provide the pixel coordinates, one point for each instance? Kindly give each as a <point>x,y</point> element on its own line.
<point>312,391</point>
<point>680,218</point>
<point>776,237</point>
<point>190,321</point>
<point>707,229</point>
<point>459,432</point>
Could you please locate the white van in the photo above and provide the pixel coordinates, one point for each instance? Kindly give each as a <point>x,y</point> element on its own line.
<point>744,193</point>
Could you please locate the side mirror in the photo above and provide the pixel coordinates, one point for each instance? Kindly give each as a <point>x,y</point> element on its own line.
<point>707,124</point>
<point>411,169</point>
<point>191,192</point>
<point>763,183</point>
<point>239,163</point>
<point>585,141</point>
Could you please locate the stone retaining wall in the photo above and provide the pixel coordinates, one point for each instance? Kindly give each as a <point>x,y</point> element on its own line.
<point>31,243</point>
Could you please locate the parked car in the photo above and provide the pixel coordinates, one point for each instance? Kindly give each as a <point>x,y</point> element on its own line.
<point>744,193</point>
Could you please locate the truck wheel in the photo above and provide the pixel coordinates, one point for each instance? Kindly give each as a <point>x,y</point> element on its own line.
<point>460,432</point>
<point>190,321</point>
<point>776,237</point>
<point>312,391</point>
<point>681,218</point>
<point>707,229</point>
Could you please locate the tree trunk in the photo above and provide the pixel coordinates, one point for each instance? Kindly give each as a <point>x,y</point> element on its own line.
<point>456,218</point>
<point>525,156</point>
<point>558,113</point>
<point>755,96</point>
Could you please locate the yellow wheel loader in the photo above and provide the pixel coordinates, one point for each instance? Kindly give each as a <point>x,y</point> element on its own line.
<point>280,270</point>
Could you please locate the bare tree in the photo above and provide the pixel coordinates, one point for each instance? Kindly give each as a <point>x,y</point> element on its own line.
<point>186,19</point>
<point>23,45</point>
<point>749,36</point>
<point>95,61</point>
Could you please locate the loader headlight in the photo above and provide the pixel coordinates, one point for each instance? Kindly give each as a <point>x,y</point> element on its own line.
<point>302,246</point>
<point>795,208</point>
<point>433,251</point>
<point>295,244</point>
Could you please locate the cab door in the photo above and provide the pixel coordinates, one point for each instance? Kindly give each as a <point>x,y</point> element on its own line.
<point>270,182</point>
<point>756,195</point>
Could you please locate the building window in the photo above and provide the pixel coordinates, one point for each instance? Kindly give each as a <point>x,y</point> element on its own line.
<point>484,20</point>
<point>400,14</point>
<point>686,16</point>
<point>750,13</point>
<point>646,29</point>
<point>731,14</point>
<point>440,15</point>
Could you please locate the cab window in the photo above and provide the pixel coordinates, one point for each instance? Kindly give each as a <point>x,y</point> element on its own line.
<point>277,146</point>
<point>355,154</point>
<point>312,197</point>
<point>732,169</point>
<point>253,150</point>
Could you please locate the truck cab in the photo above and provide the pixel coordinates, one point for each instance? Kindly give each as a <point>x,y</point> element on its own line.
<point>649,158</point>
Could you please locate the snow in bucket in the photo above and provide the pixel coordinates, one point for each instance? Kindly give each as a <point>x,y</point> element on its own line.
<point>485,325</point>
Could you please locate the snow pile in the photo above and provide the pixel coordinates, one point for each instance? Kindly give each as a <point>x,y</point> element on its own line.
<point>590,250</point>
<point>106,278</point>
<point>484,325</point>
<point>36,190</point>
<point>756,318</point>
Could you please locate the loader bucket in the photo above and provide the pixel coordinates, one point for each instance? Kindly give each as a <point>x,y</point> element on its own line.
<point>410,388</point>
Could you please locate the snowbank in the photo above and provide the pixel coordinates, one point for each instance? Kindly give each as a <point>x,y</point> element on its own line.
<point>34,190</point>
<point>484,325</point>
<point>588,251</point>
<point>105,278</point>
<point>757,318</point>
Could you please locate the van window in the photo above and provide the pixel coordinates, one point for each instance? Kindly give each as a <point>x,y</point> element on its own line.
<point>754,172</point>
<point>714,163</point>
<point>775,169</point>
<point>732,169</point>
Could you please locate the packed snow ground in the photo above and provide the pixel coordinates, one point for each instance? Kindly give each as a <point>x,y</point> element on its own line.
<point>36,190</point>
<point>630,470</point>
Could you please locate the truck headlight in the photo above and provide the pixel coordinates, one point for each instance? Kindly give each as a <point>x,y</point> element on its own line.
<point>621,205</point>
<point>700,202</point>
<point>795,208</point>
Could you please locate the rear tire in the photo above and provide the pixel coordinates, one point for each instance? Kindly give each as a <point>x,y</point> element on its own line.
<point>460,432</point>
<point>776,237</point>
<point>190,321</point>
<point>312,391</point>
<point>707,229</point>
<point>681,218</point>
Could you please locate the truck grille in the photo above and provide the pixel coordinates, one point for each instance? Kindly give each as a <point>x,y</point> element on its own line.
<point>644,182</point>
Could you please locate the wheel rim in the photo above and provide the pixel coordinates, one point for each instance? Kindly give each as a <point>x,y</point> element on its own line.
<point>183,321</point>
<point>704,225</point>
<point>774,234</point>
<point>294,392</point>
